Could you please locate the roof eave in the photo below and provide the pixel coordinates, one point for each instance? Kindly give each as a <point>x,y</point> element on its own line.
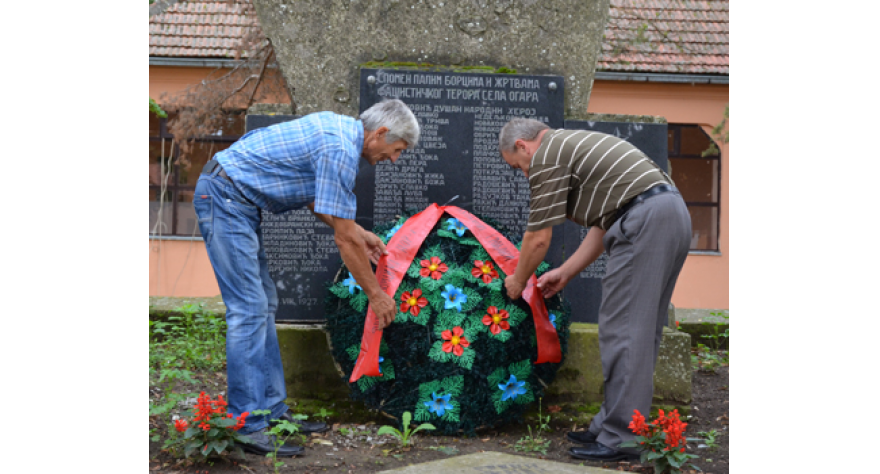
<point>662,77</point>
<point>600,75</point>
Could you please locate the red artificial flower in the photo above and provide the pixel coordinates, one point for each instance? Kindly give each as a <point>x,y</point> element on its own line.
<point>455,341</point>
<point>433,268</point>
<point>484,270</point>
<point>413,302</point>
<point>181,425</point>
<point>495,319</point>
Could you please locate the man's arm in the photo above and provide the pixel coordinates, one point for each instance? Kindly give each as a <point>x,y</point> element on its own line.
<point>349,239</point>
<point>588,251</point>
<point>373,245</point>
<point>534,248</point>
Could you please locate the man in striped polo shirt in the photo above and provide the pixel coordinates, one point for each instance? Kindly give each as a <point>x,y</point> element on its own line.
<point>638,217</point>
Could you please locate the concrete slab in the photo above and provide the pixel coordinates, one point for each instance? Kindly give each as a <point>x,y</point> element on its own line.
<point>492,462</point>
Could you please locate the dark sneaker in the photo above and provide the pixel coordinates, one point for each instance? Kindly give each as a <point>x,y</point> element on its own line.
<point>263,444</point>
<point>582,437</point>
<point>305,427</point>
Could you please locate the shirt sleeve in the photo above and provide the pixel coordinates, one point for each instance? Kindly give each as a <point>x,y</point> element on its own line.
<point>335,173</point>
<point>549,187</point>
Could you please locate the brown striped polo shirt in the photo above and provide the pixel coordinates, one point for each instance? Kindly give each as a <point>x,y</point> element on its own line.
<point>586,176</point>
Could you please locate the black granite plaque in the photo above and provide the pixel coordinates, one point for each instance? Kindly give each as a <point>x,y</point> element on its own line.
<point>300,249</point>
<point>457,156</point>
<point>585,291</point>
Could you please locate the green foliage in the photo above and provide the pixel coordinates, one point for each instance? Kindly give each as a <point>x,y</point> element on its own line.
<point>193,339</point>
<point>279,434</point>
<point>324,413</point>
<point>405,435</point>
<point>710,358</point>
<point>412,346</point>
<point>154,108</point>
<point>708,438</point>
<point>720,133</point>
<point>534,442</point>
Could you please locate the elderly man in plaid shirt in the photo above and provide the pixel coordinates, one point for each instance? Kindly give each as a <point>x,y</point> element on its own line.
<point>310,162</point>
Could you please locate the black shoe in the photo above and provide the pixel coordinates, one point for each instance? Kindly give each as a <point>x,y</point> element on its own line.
<point>305,427</point>
<point>582,437</point>
<point>600,452</point>
<point>263,444</point>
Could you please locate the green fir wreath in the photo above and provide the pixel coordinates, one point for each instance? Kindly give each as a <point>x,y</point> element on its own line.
<point>460,353</point>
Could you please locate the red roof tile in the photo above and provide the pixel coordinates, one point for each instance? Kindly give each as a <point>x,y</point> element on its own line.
<point>669,36</point>
<point>201,29</point>
<point>659,36</point>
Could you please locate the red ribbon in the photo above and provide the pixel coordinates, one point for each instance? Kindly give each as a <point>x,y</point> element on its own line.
<point>402,250</point>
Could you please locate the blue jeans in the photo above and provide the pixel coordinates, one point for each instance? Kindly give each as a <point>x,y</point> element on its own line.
<point>230,226</point>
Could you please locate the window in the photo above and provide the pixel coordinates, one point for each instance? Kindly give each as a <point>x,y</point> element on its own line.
<point>173,180</point>
<point>699,180</point>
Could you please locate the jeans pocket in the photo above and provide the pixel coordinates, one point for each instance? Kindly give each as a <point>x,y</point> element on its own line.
<point>204,206</point>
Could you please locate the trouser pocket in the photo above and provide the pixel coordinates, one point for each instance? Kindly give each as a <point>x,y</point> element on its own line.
<point>204,206</point>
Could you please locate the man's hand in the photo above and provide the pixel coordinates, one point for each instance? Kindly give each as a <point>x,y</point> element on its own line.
<point>552,282</point>
<point>373,246</point>
<point>514,287</point>
<point>385,309</point>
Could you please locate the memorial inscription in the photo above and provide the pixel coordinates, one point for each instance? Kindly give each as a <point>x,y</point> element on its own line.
<point>457,156</point>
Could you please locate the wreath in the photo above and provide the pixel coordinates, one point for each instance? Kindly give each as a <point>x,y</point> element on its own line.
<point>460,354</point>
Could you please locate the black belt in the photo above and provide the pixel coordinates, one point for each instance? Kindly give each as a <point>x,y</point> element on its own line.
<point>211,165</point>
<point>659,189</point>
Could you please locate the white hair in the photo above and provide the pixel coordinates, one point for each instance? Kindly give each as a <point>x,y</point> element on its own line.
<point>518,129</point>
<point>397,117</point>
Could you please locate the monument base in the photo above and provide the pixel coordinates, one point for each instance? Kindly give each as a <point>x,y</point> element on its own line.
<point>312,377</point>
<point>311,373</point>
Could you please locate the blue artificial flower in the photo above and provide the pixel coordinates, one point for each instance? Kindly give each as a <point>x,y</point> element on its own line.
<point>457,226</point>
<point>381,359</point>
<point>553,320</point>
<point>351,284</point>
<point>440,404</point>
<point>454,298</point>
<point>393,231</point>
<point>512,388</point>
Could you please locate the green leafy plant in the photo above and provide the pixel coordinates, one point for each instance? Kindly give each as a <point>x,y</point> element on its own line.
<point>710,358</point>
<point>707,360</point>
<point>708,438</point>
<point>535,442</point>
<point>190,339</point>
<point>279,434</point>
<point>211,431</point>
<point>405,436</point>
<point>324,413</point>
<point>662,442</point>
<point>718,337</point>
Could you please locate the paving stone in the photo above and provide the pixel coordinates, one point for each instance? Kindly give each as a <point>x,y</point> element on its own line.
<point>496,463</point>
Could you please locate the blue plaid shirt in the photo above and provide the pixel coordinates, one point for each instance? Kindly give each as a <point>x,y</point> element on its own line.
<point>288,165</point>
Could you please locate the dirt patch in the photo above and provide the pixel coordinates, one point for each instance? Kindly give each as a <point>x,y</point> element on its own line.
<point>355,447</point>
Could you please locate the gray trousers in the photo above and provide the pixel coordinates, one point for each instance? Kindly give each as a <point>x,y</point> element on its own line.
<point>646,250</point>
